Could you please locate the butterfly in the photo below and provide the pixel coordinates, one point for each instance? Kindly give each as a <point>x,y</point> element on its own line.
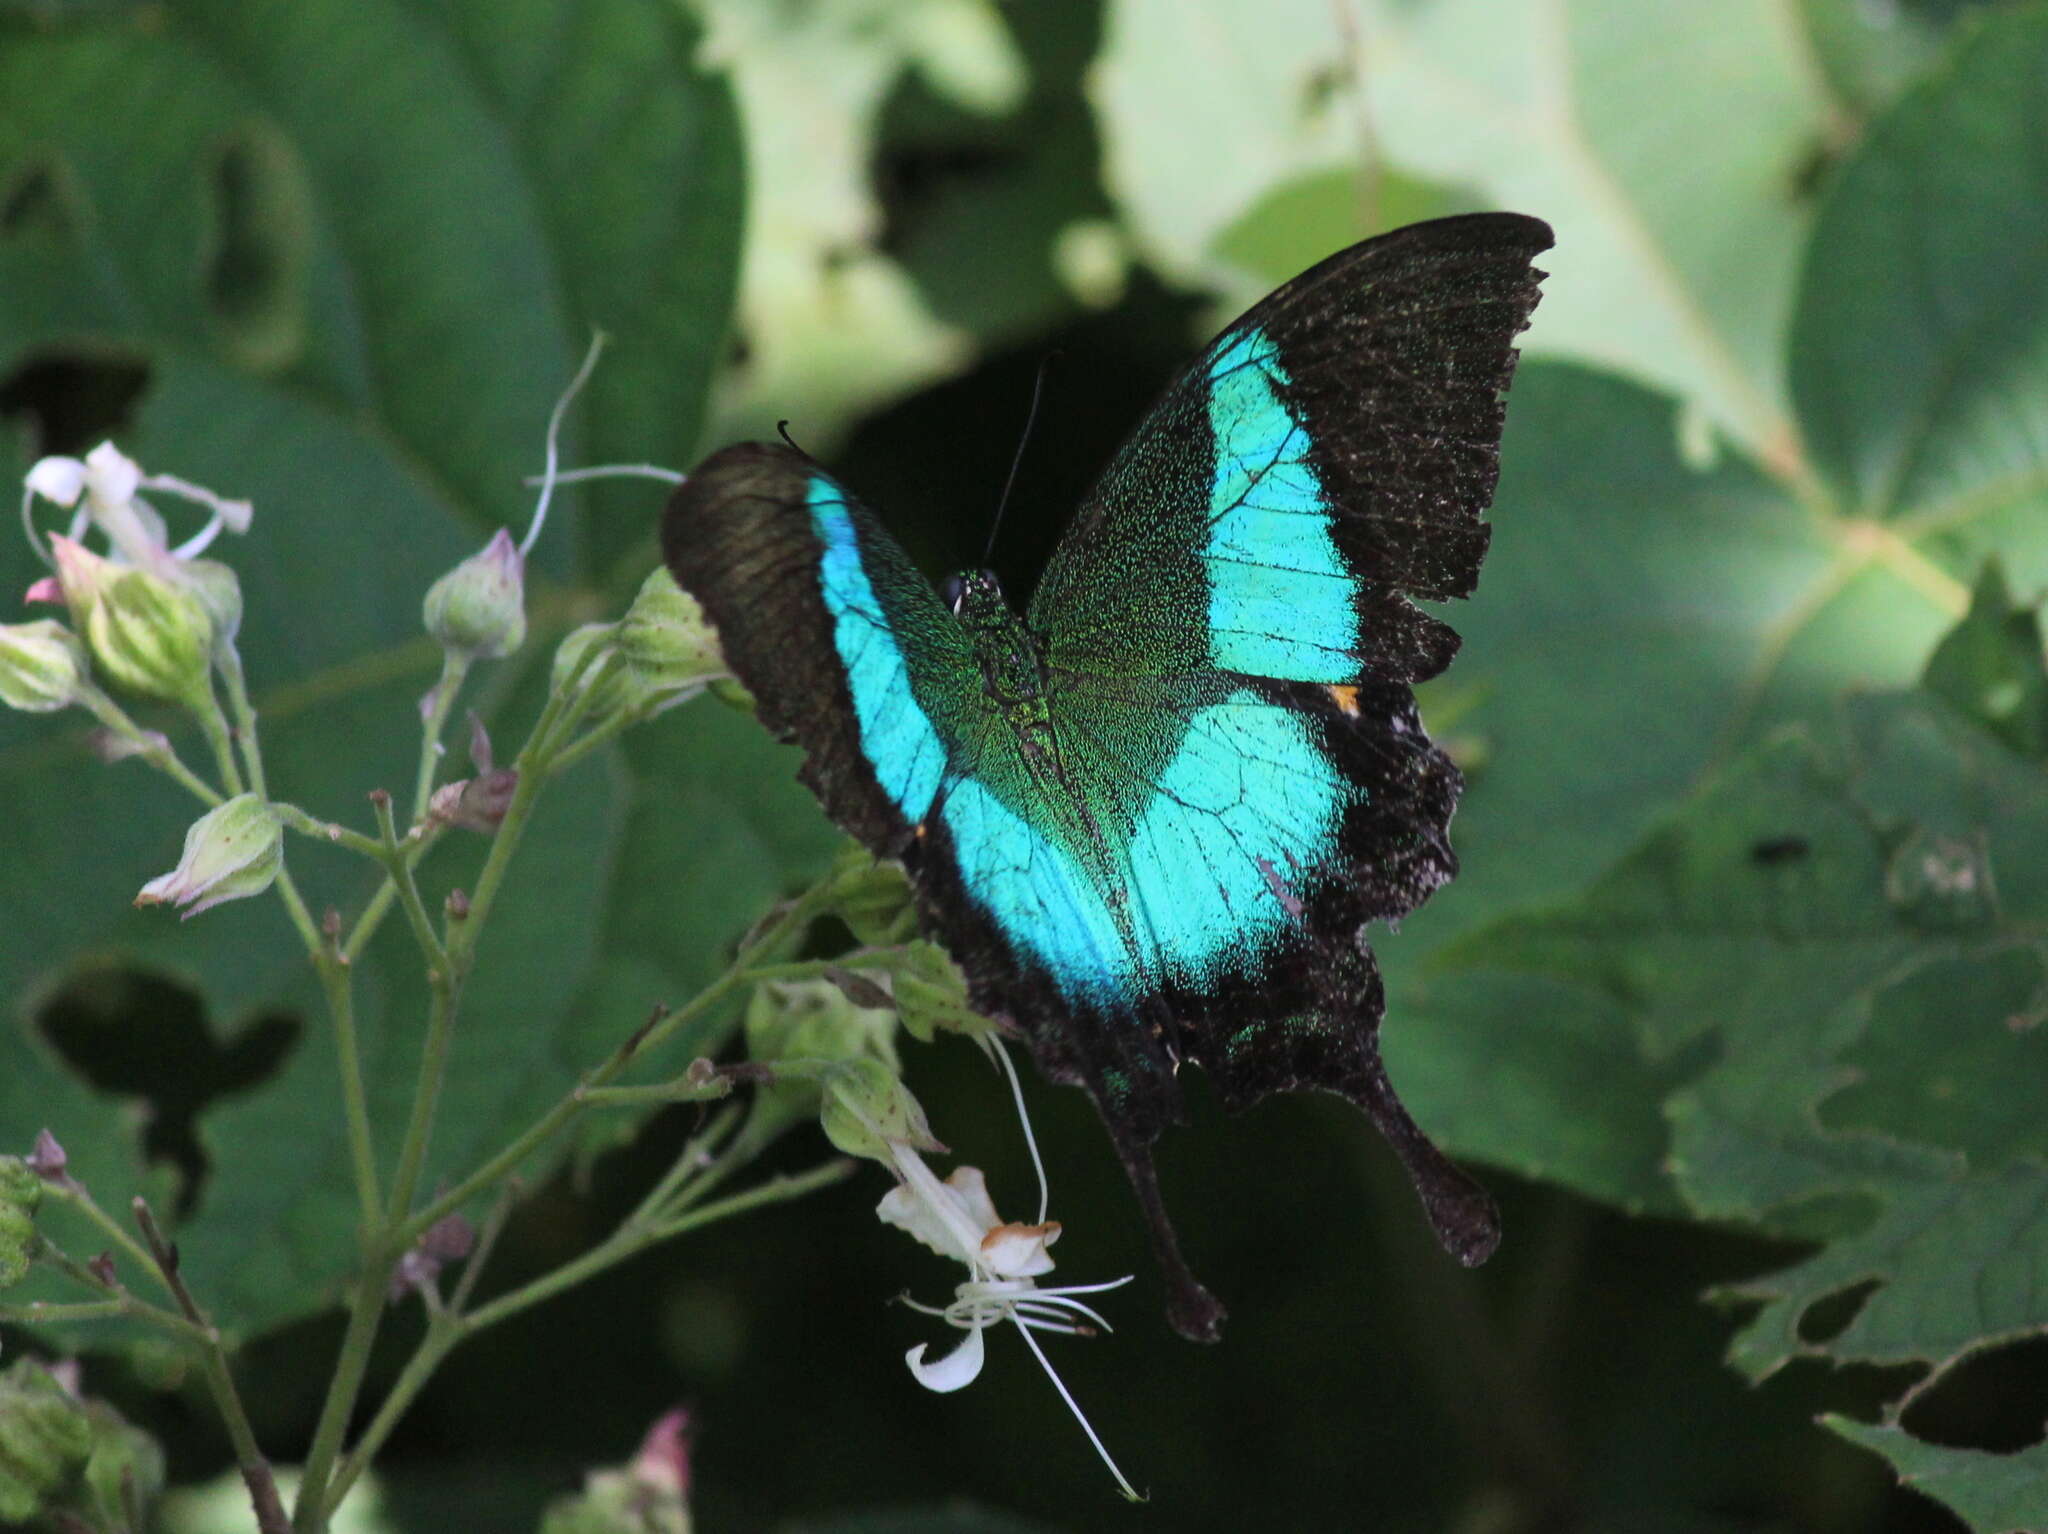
<point>1152,814</point>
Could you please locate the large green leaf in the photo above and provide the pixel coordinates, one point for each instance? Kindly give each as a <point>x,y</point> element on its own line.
<point>1674,264</point>
<point>358,249</point>
<point>1920,356</point>
<point>1639,621</point>
<point>1825,946</point>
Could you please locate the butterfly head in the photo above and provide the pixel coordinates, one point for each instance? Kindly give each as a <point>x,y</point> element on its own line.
<point>976,597</point>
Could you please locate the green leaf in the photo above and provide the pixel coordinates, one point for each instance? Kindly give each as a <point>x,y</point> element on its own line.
<point>1575,112</point>
<point>1920,352</point>
<point>359,249</point>
<point>1993,1493</point>
<point>1869,53</point>
<point>831,324</point>
<point>1835,955</point>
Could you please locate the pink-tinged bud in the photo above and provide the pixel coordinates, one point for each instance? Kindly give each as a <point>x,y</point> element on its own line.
<point>102,1268</point>
<point>46,591</point>
<point>478,609</point>
<point>449,1239</point>
<point>475,804</point>
<point>43,666</point>
<point>48,1160</point>
<point>231,853</point>
<point>149,634</point>
<point>112,746</point>
<point>663,1463</point>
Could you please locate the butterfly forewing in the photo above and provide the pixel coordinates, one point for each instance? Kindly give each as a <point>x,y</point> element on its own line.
<point>1328,455</point>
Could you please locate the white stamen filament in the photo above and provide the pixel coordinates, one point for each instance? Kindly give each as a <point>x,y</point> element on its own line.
<point>611,471</point>
<point>550,476</point>
<point>1002,1058</point>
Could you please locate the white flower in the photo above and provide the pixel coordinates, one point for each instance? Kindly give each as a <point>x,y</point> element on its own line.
<point>956,1218</point>
<point>109,484</point>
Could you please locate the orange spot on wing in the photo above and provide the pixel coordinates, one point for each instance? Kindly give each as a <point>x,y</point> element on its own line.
<point>1345,698</point>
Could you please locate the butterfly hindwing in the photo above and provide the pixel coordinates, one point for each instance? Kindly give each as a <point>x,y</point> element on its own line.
<point>1152,819</point>
<point>848,650</point>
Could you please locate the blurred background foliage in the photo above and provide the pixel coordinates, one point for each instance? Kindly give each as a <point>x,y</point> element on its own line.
<point>1739,995</point>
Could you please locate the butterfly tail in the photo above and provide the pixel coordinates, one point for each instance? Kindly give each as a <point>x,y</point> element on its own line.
<point>1463,1214</point>
<point>1190,1308</point>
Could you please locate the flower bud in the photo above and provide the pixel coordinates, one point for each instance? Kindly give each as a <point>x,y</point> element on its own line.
<point>21,1190</point>
<point>219,591</point>
<point>808,1020</point>
<point>475,804</point>
<point>619,691</point>
<point>231,853</point>
<point>665,639</point>
<point>43,666</point>
<point>872,897</point>
<point>931,994</point>
<point>867,1106</point>
<point>648,1495</point>
<point>478,609</point>
<point>150,634</point>
<point>69,1462</point>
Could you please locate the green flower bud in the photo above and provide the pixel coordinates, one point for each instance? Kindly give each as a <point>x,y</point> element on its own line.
<point>150,634</point>
<point>808,1020</point>
<point>63,1455</point>
<point>867,1107</point>
<point>219,591</point>
<point>872,897</point>
<point>21,1190</point>
<point>665,639</point>
<point>43,666</point>
<point>931,994</point>
<point>231,853</point>
<point>620,690</point>
<point>478,609</point>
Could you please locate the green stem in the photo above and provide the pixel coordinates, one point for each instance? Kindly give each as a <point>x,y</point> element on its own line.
<point>154,750</point>
<point>296,819</point>
<point>214,726</point>
<point>791,922</point>
<point>337,981</point>
<point>229,662</point>
<point>366,1312</point>
<point>75,1195</point>
<point>392,853</point>
<point>449,1329</point>
<point>454,668</point>
<point>41,1312</point>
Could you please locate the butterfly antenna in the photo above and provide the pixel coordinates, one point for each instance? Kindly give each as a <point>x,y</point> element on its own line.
<point>782,431</point>
<point>1016,463</point>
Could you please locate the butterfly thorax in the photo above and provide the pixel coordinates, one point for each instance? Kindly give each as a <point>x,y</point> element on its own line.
<point>1012,674</point>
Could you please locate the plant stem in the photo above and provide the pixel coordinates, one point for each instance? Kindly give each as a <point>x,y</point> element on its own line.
<point>152,749</point>
<point>220,1381</point>
<point>792,920</point>
<point>214,726</point>
<point>449,1329</point>
<point>454,669</point>
<point>392,854</point>
<point>366,1312</point>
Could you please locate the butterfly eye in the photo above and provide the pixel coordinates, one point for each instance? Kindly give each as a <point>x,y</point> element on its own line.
<point>953,588</point>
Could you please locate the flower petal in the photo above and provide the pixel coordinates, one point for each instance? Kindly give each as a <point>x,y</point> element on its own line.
<point>111,475</point>
<point>957,1369</point>
<point>57,479</point>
